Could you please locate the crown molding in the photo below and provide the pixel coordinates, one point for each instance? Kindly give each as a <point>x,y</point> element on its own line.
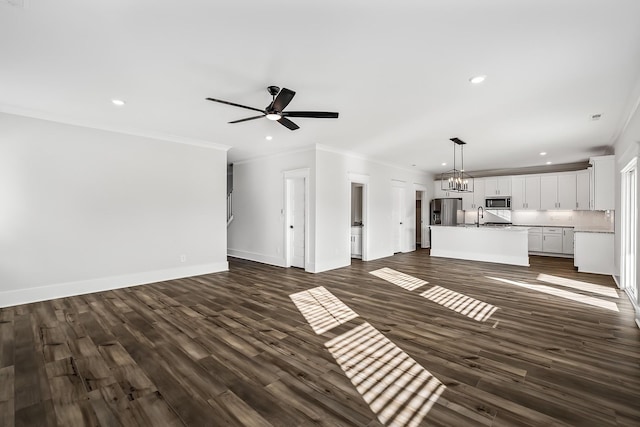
<point>56,118</point>
<point>531,170</point>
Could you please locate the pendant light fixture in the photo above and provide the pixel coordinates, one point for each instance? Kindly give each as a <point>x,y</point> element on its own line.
<point>457,180</point>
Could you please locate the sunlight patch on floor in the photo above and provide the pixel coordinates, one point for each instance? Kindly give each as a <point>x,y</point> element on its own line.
<point>584,299</point>
<point>399,391</point>
<point>460,303</point>
<point>405,281</point>
<point>605,291</point>
<point>322,310</point>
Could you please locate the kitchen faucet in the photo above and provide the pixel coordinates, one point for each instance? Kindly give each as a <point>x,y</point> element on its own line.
<point>480,208</point>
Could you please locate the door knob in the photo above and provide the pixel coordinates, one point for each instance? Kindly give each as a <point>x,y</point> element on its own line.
<point>291,226</point>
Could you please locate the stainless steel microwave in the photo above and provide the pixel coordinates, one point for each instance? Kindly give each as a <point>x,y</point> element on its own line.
<point>497,203</point>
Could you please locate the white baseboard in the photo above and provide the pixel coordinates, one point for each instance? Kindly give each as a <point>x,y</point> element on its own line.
<point>61,290</point>
<point>252,256</point>
<point>551,254</point>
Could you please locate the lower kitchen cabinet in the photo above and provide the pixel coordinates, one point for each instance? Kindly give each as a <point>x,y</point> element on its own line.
<point>535,239</point>
<point>552,240</point>
<point>567,241</point>
<point>356,242</point>
<point>594,252</point>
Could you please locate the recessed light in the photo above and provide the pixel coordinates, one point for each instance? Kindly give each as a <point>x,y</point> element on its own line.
<point>268,138</point>
<point>543,153</point>
<point>118,102</point>
<point>444,164</point>
<point>548,163</point>
<point>477,79</point>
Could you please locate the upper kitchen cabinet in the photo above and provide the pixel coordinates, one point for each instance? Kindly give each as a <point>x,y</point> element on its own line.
<point>558,191</point>
<point>478,193</point>
<point>525,193</point>
<point>603,182</point>
<point>467,201</point>
<point>474,200</point>
<point>497,186</point>
<point>583,192</point>
<point>439,193</point>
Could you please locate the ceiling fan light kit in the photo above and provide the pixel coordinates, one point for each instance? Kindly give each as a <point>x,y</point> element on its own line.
<point>457,180</point>
<point>274,111</point>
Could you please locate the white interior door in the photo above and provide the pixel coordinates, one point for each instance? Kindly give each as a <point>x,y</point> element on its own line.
<point>295,221</point>
<point>397,218</point>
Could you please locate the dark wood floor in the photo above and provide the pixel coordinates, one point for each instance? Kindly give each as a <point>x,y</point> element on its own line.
<point>232,349</point>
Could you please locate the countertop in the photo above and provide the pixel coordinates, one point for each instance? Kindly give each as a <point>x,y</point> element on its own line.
<point>510,228</point>
<point>576,229</point>
<point>592,230</point>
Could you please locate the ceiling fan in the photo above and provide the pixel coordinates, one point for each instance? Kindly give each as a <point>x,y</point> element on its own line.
<point>273,111</point>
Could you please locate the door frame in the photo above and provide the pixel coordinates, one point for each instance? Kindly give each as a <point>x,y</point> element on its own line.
<point>287,176</point>
<point>629,233</point>
<point>360,179</point>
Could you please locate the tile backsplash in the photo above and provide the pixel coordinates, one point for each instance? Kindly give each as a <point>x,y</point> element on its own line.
<point>597,220</point>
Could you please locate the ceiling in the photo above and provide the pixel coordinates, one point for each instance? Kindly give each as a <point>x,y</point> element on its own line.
<point>398,73</point>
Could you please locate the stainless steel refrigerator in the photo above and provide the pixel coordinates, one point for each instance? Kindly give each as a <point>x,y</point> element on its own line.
<point>446,212</point>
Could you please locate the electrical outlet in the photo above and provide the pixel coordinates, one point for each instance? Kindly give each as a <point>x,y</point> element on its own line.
<point>183,258</point>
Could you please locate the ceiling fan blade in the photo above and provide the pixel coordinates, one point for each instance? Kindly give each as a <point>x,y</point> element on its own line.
<point>234,104</point>
<point>311,114</point>
<point>283,99</point>
<point>288,124</point>
<point>248,118</point>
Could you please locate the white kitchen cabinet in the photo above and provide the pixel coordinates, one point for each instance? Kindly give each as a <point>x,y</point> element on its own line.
<point>548,192</point>
<point>356,242</point>
<point>497,186</point>
<point>594,252</point>
<point>467,201</point>
<point>567,191</point>
<point>535,239</point>
<point>558,191</point>
<point>567,241</point>
<point>583,192</point>
<point>478,193</point>
<point>552,239</point>
<point>439,193</point>
<point>603,182</point>
<point>525,193</point>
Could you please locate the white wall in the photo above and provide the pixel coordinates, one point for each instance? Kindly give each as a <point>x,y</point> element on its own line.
<point>626,148</point>
<point>257,230</point>
<point>83,210</point>
<point>333,203</point>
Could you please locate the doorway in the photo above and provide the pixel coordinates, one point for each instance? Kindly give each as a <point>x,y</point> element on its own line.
<point>629,232</point>
<point>296,218</point>
<point>418,219</point>
<point>422,212</point>
<point>359,215</point>
<point>356,219</point>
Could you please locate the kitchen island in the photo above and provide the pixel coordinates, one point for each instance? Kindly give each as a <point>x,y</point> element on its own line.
<point>503,245</point>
